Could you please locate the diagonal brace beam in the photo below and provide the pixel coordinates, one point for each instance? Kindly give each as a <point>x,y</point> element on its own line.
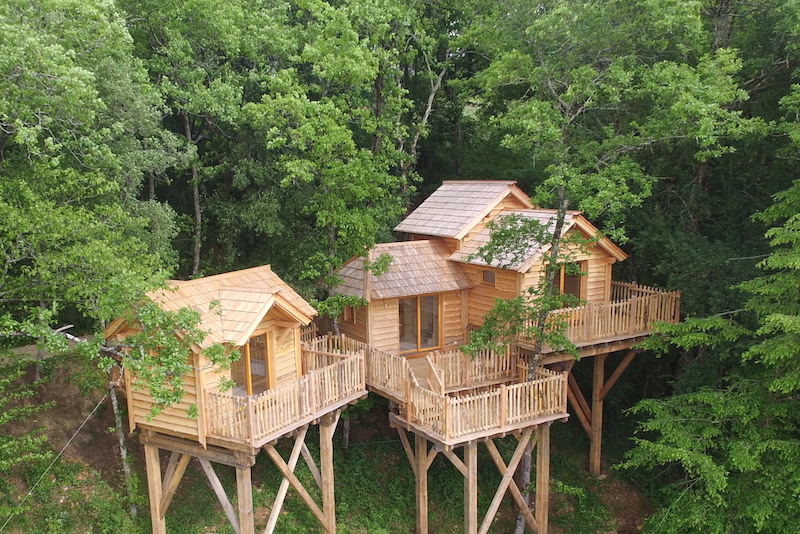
<point>507,482</point>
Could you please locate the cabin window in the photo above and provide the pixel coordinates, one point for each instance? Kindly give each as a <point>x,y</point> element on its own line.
<point>489,278</point>
<point>420,323</point>
<point>349,314</point>
<point>572,280</point>
<point>250,372</point>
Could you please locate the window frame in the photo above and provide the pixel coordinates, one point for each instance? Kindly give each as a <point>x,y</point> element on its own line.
<point>439,321</point>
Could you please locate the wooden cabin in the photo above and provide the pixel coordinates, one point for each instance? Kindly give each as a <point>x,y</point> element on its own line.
<point>436,290</point>
<point>279,389</point>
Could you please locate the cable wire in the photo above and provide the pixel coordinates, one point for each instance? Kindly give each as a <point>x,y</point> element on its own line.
<point>30,492</point>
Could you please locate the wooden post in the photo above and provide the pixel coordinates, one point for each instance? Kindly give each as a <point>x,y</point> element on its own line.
<point>326,429</point>
<point>597,413</point>
<point>421,472</point>
<point>471,488</point>
<point>542,477</point>
<point>153,465</point>
<point>244,492</point>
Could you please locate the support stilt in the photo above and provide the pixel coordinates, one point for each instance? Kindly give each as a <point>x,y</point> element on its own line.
<point>595,448</point>
<point>421,476</point>
<point>542,477</point>
<point>471,488</point>
<point>326,429</point>
<point>244,492</point>
<point>153,465</point>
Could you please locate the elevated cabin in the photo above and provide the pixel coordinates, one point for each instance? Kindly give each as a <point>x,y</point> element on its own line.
<point>276,386</point>
<point>436,289</point>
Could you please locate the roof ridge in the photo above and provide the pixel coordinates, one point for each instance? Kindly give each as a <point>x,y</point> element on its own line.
<point>222,276</point>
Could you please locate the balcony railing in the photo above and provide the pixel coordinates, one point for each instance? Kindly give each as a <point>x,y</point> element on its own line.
<point>486,396</point>
<point>631,312</point>
<point>332,380</point>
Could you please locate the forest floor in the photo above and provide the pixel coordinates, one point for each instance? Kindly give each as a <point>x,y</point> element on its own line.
<point>84,491</point>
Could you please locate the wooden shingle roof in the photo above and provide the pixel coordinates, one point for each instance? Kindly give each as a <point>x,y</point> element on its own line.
<point>457,206</point>
<point>534,252</point>
<point>231,305</point>
<point>417,268</point>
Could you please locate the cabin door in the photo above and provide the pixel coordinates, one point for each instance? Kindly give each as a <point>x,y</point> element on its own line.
<point>251,372</point>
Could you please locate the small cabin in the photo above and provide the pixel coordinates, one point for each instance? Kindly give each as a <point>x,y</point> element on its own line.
<point>276,385</point>
<point>436,289</point>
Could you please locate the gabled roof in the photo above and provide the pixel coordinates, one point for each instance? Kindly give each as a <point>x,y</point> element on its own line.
<point>457,206</point>
<point>417,268</point>
<point>231,305</point>
<point>533,254</point>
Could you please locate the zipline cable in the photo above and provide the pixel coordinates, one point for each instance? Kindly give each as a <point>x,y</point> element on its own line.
<point>53,463</point>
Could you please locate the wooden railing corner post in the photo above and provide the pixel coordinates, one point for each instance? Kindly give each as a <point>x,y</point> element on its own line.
<point>312,392</point>
<point>503,406</point>
<point>251,423</point>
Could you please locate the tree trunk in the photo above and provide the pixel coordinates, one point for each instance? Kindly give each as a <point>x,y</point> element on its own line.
<point>198,216</point>
<point>151,186</point>
<point>523,477</point>
<point>524,469</point>
<point>123,448</point>
<point>345,435</point>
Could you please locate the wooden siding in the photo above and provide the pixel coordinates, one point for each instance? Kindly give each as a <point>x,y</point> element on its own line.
<point>385,325</point>
<point>597,282</point>
<point>173,420</point>
<point>482,296</point>
<point>355,329</point>
<point>453,332</point>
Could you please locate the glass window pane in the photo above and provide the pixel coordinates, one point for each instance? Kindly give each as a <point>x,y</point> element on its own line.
<point>408,325</point>
<point>429,322</point>
<point>239,374</point>
<point>258,363</point>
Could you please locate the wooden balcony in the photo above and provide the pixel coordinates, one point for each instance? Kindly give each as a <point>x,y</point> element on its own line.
<point>628,316</point>
<point>330,382</point>
<point>452,398</point>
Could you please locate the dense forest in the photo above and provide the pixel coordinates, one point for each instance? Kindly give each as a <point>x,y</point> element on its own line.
<point>142,140</point>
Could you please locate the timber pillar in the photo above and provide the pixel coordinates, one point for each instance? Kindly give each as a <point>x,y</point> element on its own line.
<point>591,416</point>
<point>161,489</point>
<point>421,457</point>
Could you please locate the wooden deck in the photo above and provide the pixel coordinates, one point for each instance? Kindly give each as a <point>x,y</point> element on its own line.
<point>331,381</point>
<point>451,398</point>
<point>622,322</point>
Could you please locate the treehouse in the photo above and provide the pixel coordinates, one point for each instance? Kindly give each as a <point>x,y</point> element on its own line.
<point>437,289</point>
<point>277,390</point>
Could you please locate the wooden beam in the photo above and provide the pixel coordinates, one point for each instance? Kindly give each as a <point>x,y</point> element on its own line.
<point>572,397</point>
<point>311,463</point>
<point>515,491</point>
<point>573,384</point>
<point>626,361</point>
<point>407,447</point>
<point>508,476</point>
<point>456,461</point>
<point>212,453</point>
<point>421,480</point>
<point>277,505</point>
<point>172,478</point>
<point>542,477</point>
<point>471,488</point>
<point>153,466</point>
<point>216,485</point>
<point>244,494</point>
<point>296,484</point>
<point>597,414</point>
<point>327,428</point>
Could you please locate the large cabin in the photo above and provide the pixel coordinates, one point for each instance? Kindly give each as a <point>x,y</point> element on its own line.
<point>436,288</point>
